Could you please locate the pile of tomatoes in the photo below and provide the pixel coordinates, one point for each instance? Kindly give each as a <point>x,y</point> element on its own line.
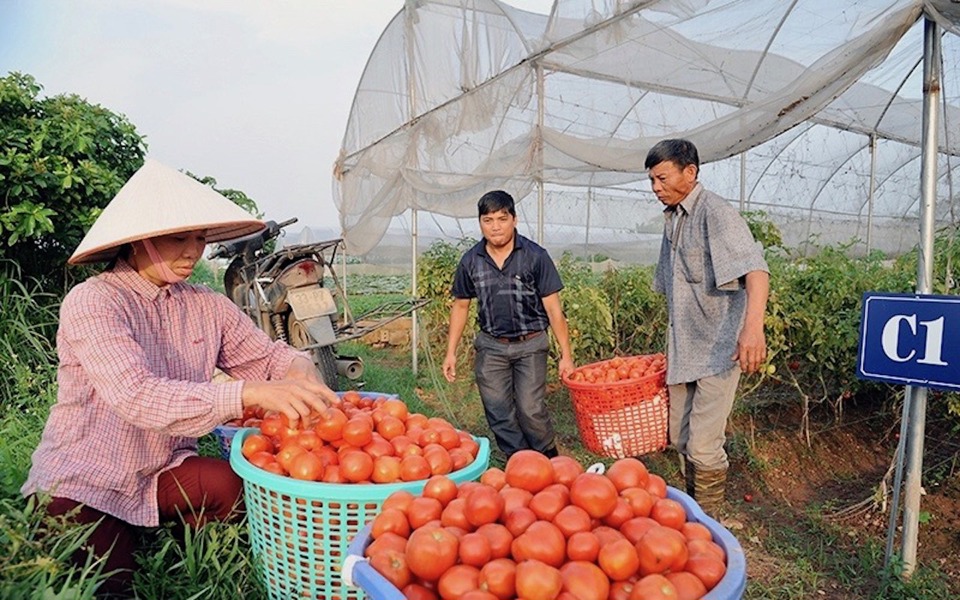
<point>621,368</point>
<point>360,440</point>
<point>544,529</point>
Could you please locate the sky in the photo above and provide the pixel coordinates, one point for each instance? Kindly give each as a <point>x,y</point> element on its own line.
<point>254,93</point>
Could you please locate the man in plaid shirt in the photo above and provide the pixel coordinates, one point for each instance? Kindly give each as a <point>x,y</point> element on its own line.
<point>716,282</point>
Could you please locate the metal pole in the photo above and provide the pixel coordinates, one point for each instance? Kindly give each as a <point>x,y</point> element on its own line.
<point>409,9</point>
<point>897,477</point>
<point>586,237</point>
<point>873,189</point>
<point>743,180</point>
<point>928,192</point>
<point>539,142</point>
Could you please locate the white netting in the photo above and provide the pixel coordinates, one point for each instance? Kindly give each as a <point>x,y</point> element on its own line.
<point>798,109</point>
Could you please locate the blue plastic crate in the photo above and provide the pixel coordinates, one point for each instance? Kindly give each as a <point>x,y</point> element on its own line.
<point>359,572</point>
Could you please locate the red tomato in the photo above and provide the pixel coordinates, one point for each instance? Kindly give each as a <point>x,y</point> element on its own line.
<point>585,580</point>
<point>330,425</point>
<point>256,443</point>
<point>430,552</point>
<point>455,514</point>
<point>669,513</point>
<point>499,537</point>
<point>708,569</point>
<point>387,541</point>
<point>594,493</point>
<point>414,468</point>
<point>396,408</point>
<point>661,549</point>
<point>494,477</point>
<point>641,501</point>
<point>457,581</point>
<point>529,470</point>
<point>689,586</point>
<point>547,503</point>
<point>656,486</point>
<point>386,469</point>
<point>399,499</point>
<point>618,559</point>
<point>356,466</point>
<point>393,566</point>
<point>565,469</point>
<point>538,581</point>
<point>306,466</point>
<point>393,520</point>
<point>440,487</point>
<point>628,473</point>
<point>583,545</point>
<point>572,519</point>
<point>415,591</point>
<point>423,510</point>
<point>390,427</point>
<point>654,587</point>
<point>484,505</point>
<point>499,577</point>
<point>541,541</point>
<point>518,520</point>
<point>475,550</point>
<point>439,460</point>
<point>357,432</point>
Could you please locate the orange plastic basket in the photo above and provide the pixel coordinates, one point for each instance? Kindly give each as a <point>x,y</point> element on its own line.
<point>622,418</point>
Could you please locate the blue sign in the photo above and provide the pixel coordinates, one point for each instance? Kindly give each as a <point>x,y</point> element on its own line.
<point>910,339</point>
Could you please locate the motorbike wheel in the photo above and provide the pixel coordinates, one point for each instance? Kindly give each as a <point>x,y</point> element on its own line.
<point>326,360</point>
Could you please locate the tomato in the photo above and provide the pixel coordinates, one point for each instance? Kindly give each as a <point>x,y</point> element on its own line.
<point>541,541</point>
<point>351,396</point>
<point>656,486</point>
<point>391,520</point>
<point>275,468</point>
<point>430,552</point>
<point>607,534</point>
<point>330,425</point>
<point>583,545</point>
<point>399,499</point>
<point>379,447</point>
<point>477,595</point>
<point>423,510</point>
<point>306,466</point>
<point>356,466</point>
<point>669,513</point>
<point>393,566</point>
<point>635,528</point>
<point>484,505</point>
<point>519,519</point>
<point>390,427</point>
<point>708,569</point>
<point>471,447</point>
<point>565,469</point>
<point>538,581</point>
<point>661,549</point>
<point>689,586</point>
<point>457,581</point>
<point>627,473</point>
<point>439,459</point>
<point>594,493</point>
<point>261,459</point>
<point>460,458</point>
<point>414,468</point>
<point>547,504</point>
<point>307,438</point>
<point>499,577</point>
<point>449,438</point>
<point>529,470</point>
<point>415,591</point>
<point>357,432</point>
<point>440,487</point>
<point>654,587</point>
<point>287,453</point>
<point>708,546</point>
<point>499,537</point>
<point>620,514</point>
<point>618,559</point>
<point>620,590</point>
<point>695,531</point>
<point>395,408</point>
<point>332,474</point>
<point>514,498</point>
<point>256,443</point>
<point>585,580</point>
<point>475,550</point>
<point>571,519</point>
<point>386,541</point>
<point>455,514</point>
<point>494,477</point>
<point>641,501</point>
<point>386,469</point>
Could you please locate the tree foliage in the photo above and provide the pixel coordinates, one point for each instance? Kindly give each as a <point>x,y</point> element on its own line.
<point>62,159</point>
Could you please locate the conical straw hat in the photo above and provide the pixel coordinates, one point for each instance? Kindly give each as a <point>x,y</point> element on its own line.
<point>159,200</point>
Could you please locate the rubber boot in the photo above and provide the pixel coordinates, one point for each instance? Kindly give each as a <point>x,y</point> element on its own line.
<point>709,488</point>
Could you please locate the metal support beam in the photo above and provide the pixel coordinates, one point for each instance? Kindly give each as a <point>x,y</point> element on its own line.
<point>928,196</point>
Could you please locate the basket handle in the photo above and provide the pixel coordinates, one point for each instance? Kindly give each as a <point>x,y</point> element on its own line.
<point>346,571</point>
<point>597,468</point>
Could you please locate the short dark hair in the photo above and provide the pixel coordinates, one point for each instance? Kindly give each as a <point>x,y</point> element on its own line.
<point>496,201</point>
<point>679,152</point>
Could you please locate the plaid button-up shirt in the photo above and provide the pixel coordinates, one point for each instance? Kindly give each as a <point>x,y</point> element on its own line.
<point>135,389</point>
<point>706,251</point>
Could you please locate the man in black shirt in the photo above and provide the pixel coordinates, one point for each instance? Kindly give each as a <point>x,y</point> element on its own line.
<point>517,288</point>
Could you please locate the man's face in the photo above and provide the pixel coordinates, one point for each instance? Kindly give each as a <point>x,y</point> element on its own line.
<point>670,183</point>
<point>498,228</point>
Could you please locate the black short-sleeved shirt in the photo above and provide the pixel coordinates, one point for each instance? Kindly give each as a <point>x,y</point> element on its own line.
<point>510,299</point>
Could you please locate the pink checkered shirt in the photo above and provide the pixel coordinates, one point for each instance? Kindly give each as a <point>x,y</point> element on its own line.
<point>134,387</point>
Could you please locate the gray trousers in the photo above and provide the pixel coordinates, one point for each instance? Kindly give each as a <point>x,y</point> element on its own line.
<point>512,380</point>
<point>698,418</point>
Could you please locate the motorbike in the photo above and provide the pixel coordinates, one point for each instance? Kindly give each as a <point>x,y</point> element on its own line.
<point>294,294</point>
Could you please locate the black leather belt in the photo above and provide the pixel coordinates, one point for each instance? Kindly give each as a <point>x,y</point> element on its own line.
<point>519,338</point>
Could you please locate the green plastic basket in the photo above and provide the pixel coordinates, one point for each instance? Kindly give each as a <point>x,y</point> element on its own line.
<point>300,530</point>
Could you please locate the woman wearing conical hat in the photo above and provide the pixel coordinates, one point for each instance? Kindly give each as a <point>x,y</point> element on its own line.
<point>137,348</point>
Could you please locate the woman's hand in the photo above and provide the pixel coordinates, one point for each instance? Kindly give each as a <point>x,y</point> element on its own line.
<point>297,395</point>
